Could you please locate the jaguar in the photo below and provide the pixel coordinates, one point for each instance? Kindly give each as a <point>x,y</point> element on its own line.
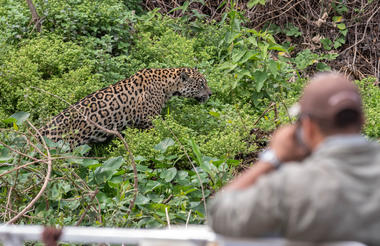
<point>132,102</point>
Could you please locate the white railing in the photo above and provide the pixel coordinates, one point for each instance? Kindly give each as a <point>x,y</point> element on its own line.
<point>16,235</point>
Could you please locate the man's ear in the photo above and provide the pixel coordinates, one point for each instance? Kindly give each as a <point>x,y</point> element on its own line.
<point>184,76</point>
<point>312,133</point>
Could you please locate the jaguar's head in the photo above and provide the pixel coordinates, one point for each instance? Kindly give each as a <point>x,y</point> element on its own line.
<point>193,84</point>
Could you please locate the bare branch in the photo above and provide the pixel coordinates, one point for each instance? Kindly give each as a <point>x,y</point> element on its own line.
<point>365,31</point>
<point>46,181</point>
<point>18,152</point>
<point>20,167</point>
<point>35,18</point>
<point>86,209</point>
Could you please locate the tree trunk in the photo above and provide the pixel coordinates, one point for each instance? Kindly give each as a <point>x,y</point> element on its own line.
<point>35,18</point>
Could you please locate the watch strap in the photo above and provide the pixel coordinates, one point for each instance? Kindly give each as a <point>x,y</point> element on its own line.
<point>269,156</point>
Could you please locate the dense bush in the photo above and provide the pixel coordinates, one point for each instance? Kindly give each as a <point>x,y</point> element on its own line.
<point>158,43</point>
<point>258,66</point>
<point>14,21</point>
<point>224,135</point>
<point>106,22</point>
<point>371,96</point>
<point>47,63</point>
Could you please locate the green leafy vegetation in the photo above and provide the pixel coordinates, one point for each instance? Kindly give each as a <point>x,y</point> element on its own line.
<point>49,64</point>
<point>192,150</point>
<point>371,96</point>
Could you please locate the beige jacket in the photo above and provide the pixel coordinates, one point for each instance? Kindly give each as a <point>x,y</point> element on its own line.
<point>333,195</point>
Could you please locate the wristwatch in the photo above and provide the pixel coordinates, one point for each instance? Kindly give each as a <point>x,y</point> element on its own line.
<point>269,156</point>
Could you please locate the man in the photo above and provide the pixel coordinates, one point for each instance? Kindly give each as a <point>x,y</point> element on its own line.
<point>318,181</point>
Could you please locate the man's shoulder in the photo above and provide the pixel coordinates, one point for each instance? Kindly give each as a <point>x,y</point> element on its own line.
<point>299,169</point>
<point>303,177</point>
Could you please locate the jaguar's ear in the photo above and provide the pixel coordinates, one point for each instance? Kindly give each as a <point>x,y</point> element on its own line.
<point>184,76</point>
<point>196,68</point>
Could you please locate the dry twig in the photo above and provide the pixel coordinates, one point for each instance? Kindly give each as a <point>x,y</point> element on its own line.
<point>92,197</point>
<point>46,181</point>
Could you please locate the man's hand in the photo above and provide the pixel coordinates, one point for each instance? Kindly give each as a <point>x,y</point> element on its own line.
<point>286,146</point>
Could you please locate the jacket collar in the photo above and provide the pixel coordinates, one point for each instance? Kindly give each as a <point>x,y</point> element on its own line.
<point>344,140</point>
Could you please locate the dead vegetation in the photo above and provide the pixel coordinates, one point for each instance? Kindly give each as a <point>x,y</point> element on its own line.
<point>349,27</point>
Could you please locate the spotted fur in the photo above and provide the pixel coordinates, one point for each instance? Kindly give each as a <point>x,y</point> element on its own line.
<point>131,102</point>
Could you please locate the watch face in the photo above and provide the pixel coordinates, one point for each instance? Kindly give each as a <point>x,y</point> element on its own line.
<point>270,157</point>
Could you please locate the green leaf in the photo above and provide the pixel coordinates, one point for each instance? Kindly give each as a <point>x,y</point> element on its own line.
<point>215,114</point>
<point>194,204</point>
<point>242,74</point>
<point>159,219</point>
<point>17,118</point>
<point>113,163</point>
<point>260,78</point>
<point>102,197</point>
<point>237,54</point>
<point>142,168</point>
<point>274,68</point>
<point>82,149</point>
<point>230,37</point>
<point>321,66</point>
<point>201,160</point>
<point>115,181</point>
<point>182,174</point>
<point>5,155</point>
<point>337,44</point>
<point>252,3</point>
<point>236,24</point>
<point>155,197</point>
<point>337,18</point>
<point>264,50</point>
<point>196,151</point>
<point>207,167</point>
<point>227,66</point>
<point>189,191</point>
<point>10,120</point>
<point>72,205</point>
<point>151,185</point>
<point>171,157</point>
<point>291,30</point>
<point>164,145</point>
<point>89,163</point>
<point>233,163</point>
<point>140,158</point>
<point>341,26</point>
<point>252,40</point>
<point>168,174</point>
<point>105,172</point>
<point>327,43</point>
<point>278,48</point>
<point>248,56</point>
<point>141,200</point>
<point>102,175</point>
